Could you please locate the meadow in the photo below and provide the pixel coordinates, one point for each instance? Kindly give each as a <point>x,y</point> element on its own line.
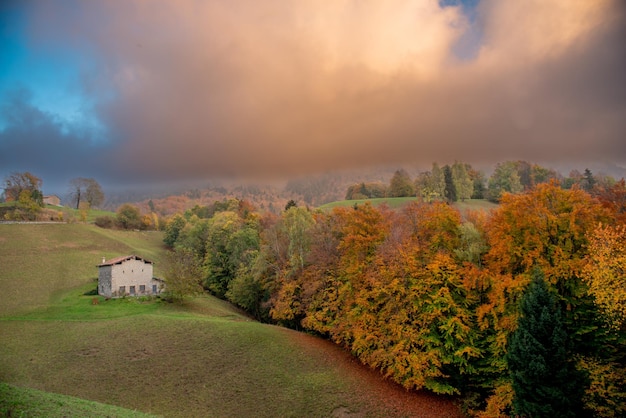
<point>204,358</point>
<point>398,202</point>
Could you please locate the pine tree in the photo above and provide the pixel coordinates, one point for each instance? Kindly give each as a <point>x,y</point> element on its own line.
<point>544,378</point>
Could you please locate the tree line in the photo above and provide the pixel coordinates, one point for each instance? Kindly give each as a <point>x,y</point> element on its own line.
<point>460,181</point>
<point>519,311</point>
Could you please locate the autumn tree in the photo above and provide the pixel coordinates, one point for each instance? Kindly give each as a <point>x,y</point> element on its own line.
<point>462,181</point>
<point>574,178</point>
<point>173,229</point>
<point>183,274</point>
<point>435,226</point>
<point>366,191</point>
<point>401,185</point>
<point>504,179</point>
<point>478,181</point>
<point>605,272</point>
<point>247,289</point>
<point>17,183</point>
<point>194,236</point>
<point>129,217</point>
<point>292,239</point>
<point>614,199</point>
<point>541,174</point>
<point>297,223</point>
<point>543,372</point>
<point>85,190</point>
<point>346,247</point>
<point>606,395</point>
<point>472,244</point>
<point>524,172</point>
<point>431,185</point>
<point>547,227</point>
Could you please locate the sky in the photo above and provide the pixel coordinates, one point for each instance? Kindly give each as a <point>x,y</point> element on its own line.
<point>147,92</point>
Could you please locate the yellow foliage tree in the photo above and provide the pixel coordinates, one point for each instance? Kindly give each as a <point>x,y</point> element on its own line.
<point>606,272</point>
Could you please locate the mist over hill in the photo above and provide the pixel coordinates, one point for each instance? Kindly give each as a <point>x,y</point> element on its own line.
<point>311,190</point>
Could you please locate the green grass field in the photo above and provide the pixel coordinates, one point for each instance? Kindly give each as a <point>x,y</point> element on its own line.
<point>398,202</point>
<point>392,202</point>
<point>204,358</point>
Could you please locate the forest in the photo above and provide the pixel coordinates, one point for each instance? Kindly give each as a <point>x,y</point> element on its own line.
<point>516,311</point>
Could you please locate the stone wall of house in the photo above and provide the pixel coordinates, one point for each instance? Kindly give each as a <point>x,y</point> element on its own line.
<point>52,200</point>
<point>133,278</point>
<point>104,281</point>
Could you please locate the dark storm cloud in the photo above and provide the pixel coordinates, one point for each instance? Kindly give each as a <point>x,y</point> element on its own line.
<point>37,141</point>
<point>274,88</point>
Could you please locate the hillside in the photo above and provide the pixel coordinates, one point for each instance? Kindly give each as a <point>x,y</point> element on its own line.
<point>204,358</point>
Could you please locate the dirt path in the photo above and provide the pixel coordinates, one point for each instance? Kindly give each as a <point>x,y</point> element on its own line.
<point>380,393</point>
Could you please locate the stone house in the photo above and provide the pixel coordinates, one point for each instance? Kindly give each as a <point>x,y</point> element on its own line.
<point>52,200</point>
<point>129,275</point>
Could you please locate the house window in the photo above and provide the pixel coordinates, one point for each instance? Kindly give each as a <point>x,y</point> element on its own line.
<point>154,289</point>
<point>142,288</point>
<point>122,290</point>
<point>132,290</point>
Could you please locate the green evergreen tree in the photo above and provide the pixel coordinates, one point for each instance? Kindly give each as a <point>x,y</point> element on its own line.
<point>450,188</point>
<point>588,180</point>
<point>544,378</point>
<point>291,204</point>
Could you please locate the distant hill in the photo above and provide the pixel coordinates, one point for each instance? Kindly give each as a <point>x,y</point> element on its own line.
<point>312,191</point>
<point>272,196</point>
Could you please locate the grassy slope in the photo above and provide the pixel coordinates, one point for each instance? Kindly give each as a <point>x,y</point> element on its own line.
<point>202,359</point>
<point>24,402</point>
<point>39,263</point>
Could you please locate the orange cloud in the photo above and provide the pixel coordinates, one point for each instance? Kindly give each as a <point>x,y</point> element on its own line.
<point>280,88</point>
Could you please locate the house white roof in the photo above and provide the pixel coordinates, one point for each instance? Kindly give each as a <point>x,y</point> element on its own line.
<point>120,260</point>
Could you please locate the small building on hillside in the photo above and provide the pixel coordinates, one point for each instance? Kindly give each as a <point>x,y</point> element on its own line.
<point>129,275</point>
<point>52,200</point>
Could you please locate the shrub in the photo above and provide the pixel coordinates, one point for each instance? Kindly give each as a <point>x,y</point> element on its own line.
<point>105,221</point>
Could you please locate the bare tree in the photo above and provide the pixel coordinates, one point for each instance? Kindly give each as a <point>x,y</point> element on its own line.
<point>85,190</point>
